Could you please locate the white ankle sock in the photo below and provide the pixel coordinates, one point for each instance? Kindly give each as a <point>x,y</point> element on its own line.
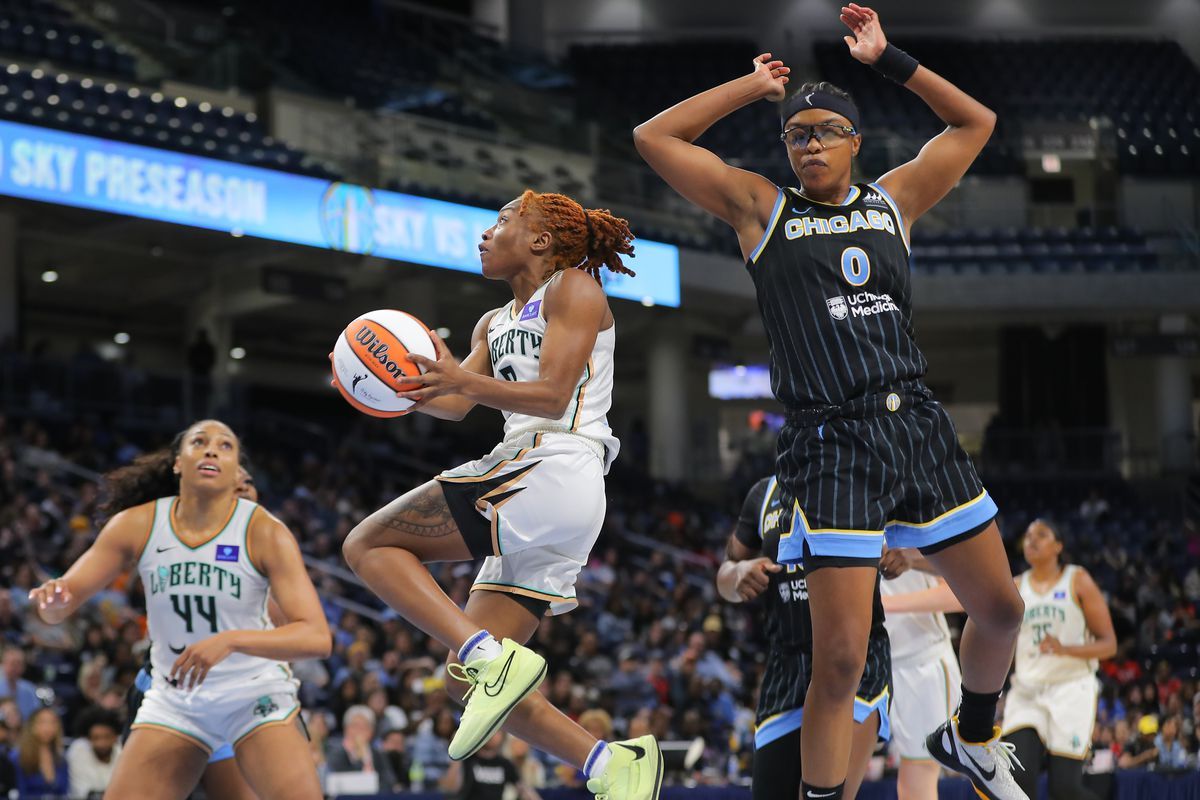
<point>481,645</point>
<point>597,760</point>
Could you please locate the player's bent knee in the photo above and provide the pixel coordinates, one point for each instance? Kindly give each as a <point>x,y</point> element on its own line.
<point>356,546</point>
<point>1006,612</point>
<point>838,666</point>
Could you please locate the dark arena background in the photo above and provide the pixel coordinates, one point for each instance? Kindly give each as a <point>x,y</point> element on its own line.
<point>197,197</point>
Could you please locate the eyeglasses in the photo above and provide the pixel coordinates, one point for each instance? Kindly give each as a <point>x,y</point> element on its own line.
<point>827,134</point>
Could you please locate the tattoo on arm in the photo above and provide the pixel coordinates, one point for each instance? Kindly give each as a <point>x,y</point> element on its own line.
<point>425,515</point>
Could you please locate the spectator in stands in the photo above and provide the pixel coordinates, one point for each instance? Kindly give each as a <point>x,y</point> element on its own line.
<point>41,767</point>
<point>12,627</point>
<point>8,769</point>
<point>1141,751</point>
<point>13,683</point>
<point>201,357</point>
<point>93,755</point>
<point>1171,753</point>
<point>356,750</point>
<point>317,725</point>
<point>430,749</point>
<point>487,775</point>
<point>10,718</point>
<point>629,684</point>
<point>395,750</point>
<point>1166,685</point>
<point>1094,507</point>
<point>531,770</point>
<point>390,717</point>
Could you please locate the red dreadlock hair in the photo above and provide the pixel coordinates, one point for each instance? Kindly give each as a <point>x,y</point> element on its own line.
<point>589,239</point>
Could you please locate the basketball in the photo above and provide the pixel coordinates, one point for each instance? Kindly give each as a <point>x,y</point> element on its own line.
<point>371,363</point>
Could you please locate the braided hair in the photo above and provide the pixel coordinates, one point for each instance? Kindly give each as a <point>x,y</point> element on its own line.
<point>589,239</point>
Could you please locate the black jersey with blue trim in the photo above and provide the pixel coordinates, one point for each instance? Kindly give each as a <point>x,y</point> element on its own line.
<point>835,297</point>
<point>766,515</point>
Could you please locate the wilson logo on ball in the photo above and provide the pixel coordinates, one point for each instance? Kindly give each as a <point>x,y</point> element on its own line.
<point>379,350</point>
<point>371,361</point>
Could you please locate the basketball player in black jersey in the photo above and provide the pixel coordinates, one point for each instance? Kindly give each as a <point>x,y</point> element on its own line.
<point>866,453</point>
<point>750,570</point>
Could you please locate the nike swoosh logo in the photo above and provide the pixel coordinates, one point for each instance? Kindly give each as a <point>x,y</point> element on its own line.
<point>638,751</point>
<point>987,775</point>
<point>163,549</point>
<point>176,650</point>
<point>495,687</point>
<point>808,101</point>
<point>814,795</point>
<point>805,211</point>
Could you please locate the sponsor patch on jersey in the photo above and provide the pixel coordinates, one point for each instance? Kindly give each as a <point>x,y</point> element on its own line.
<point>875,199</point>
<point>1060,595</point>
<point>531,309</point>
<point>227,552</point>
<point>837,307</point>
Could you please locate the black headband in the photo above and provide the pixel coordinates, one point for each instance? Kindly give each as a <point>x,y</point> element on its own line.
<point>802,101</point>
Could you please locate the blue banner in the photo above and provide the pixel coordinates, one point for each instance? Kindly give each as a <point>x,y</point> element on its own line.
<point>87,172</point>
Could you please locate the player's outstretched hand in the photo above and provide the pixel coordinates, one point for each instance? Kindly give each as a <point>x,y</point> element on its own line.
<point>772,75</point>
<point>754,576</point>
<point>868,41</point>
<point>51,599</point>
<point>193,664</point>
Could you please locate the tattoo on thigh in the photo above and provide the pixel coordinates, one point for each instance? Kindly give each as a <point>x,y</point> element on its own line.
<point>424,515</point>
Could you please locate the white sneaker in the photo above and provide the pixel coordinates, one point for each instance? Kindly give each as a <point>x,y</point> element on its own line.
<point>988,764</point>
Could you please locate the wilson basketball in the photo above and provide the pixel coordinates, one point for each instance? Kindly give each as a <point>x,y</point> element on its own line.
<point>371,360</point>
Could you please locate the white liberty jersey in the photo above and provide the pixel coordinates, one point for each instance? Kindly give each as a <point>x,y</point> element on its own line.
<point>913,634</point>
<point>193,593</point>
<point>515,345</point>
<point>1056,612</point>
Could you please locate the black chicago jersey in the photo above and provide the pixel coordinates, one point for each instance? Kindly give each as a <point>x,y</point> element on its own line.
<point>835,297</point>
<point>766,515</point>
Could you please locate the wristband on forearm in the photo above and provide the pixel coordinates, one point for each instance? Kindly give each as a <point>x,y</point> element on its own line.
<point>895,64</point>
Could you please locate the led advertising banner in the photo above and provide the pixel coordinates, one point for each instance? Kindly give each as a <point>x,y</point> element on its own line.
<point>87,172</point>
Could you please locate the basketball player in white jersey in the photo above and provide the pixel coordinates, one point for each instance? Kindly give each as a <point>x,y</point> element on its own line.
<point>1051,706</point>
<point>533,507</point>
<point>925,675</point>
<point>207,560</point>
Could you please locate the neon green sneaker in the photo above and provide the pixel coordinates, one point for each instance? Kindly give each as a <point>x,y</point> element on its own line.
<point>634,772</point>
<point>503,682</point>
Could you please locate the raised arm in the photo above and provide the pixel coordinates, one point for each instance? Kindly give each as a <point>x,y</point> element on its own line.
<point>918,185</point>
<point>575,307</point>
<point>115,550</point>
<point>272,551</point>
<point>744,200</point>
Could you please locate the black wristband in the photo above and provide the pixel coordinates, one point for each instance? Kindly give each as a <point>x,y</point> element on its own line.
<point>895,64</point>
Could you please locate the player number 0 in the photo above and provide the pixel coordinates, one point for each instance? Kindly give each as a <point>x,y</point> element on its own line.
<point>856,266</point>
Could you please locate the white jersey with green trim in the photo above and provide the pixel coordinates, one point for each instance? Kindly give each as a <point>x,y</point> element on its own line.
<point>913,634</point>
<point>193,593</point>
<point>515,344</point>
<point>1055,612</point>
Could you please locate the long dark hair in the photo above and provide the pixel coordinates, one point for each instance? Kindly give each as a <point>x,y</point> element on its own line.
<point>148,477</point>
